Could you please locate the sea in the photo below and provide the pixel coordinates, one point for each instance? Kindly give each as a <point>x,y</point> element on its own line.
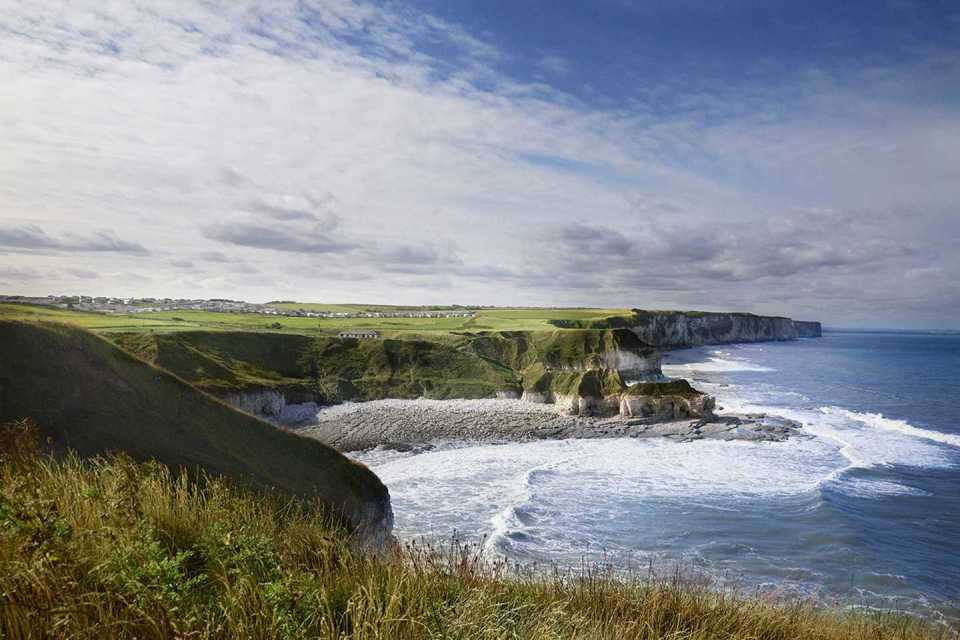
<point>862,510</point>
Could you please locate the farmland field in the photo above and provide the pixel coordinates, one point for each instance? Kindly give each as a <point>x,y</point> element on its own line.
<point>486,319</point>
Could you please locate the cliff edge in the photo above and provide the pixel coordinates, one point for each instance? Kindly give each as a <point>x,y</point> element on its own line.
<point>675,329</point>
<point>89,396</point>
<point>680,329</point>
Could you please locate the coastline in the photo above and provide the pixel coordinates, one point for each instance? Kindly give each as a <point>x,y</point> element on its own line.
<point>735,509</point>
<point>403,424</point>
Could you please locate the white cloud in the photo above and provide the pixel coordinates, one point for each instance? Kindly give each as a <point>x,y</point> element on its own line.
<point>297,151</point>
<point>28,238</point>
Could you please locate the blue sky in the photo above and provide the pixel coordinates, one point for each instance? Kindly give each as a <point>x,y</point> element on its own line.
<point>612,52</point>
<point>792,158</point>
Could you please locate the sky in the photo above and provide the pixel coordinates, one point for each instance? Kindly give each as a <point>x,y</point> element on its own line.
<point>798,159</point>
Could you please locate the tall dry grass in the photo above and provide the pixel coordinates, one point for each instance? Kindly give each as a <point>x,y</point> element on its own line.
<point>108,548</point>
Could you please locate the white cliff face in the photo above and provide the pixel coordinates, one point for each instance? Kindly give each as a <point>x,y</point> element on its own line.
<point>536,397</point>
<point>671,407</point>
<point>640,366</point>
<point>272,405</point>
<point>574,405</point>
<point>634,366</point>
<point>568,405</point>
<point>670,330</point>
<point>262,402</point>
<point>662,407</point>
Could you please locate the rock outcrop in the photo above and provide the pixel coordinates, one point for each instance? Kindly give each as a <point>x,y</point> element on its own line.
<point>603,393</point>
<point>274,405</point>
<point>673,400</point>
<point>678,329</point>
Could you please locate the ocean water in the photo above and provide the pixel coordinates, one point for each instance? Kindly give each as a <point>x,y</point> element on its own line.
<point>862,511</point>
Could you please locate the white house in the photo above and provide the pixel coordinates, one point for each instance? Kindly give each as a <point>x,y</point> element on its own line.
<point>359,334</point>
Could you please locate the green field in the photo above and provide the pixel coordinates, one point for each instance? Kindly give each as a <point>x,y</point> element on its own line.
<point>355,308</point>
<point>489,319</point>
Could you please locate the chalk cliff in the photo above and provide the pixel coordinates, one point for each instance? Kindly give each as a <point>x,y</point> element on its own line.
<point>603,392</point>
<point>265,374</point>
<point>280,377</point>
<point>274,405</point>
<point>677,329</point>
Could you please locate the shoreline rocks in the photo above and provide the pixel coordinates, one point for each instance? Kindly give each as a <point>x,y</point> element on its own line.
<point>415,423</point>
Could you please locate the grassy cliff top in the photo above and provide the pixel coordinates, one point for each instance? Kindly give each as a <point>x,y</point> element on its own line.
<point>90,396</point>
<point>678,387</point>
<point>110,549</point>
<point>487,319</point>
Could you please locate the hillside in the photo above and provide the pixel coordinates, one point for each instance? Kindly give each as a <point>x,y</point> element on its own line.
<point>92,397</point>
<point>329,369</point>
<point>109,549</point>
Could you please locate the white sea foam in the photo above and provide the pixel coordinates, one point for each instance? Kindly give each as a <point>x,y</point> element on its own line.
<point>852,434</point>
<point>535,492</point>
<point>577,485</point>
<point>683,363</point>
<point>864,488</point>
<point>640,500</point>
<point>905,444</point>
<point>877,421</point>
<point>712,365</point>
<point>508,518</point>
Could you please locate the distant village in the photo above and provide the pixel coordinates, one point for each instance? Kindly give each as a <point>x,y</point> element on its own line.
<point>102,304</point>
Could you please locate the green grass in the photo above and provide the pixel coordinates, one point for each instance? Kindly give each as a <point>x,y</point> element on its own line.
<point>92,321</point>
<point>226,360</point>
<point>500,319</point>
<point>329,368</point>
<point>391,325</point>
<point>535,319</point>
<point>90,396</point>
<point>674,387</point>
<point>486,319</point>
<point>433,365</point>
<point>108,549</point>
<point>356,308</point>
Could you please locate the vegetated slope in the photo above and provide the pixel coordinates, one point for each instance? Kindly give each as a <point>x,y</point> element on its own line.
<point>92,397</point>
<point>222,361</point>
<point>331,369</point>
<point>571,349</point>
<point>459,365</point>
<point>109,549</point>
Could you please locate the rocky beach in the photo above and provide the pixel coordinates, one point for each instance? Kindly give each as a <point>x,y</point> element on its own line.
<point>411,424</point>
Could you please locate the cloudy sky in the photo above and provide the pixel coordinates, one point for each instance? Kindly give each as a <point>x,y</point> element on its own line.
<point>729,155</point>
